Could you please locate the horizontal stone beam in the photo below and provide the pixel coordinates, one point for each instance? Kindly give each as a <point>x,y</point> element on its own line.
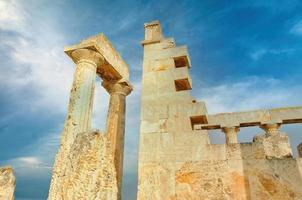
<point>114,67</point>
<point>287,115</point>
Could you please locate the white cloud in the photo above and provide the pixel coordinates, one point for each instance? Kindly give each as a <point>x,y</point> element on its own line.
<point>28,161</point>
<point>39,63</point>
<point>297,28</point>
<point>249,94</point>
<point>258,54</point>
<point>11,15</point>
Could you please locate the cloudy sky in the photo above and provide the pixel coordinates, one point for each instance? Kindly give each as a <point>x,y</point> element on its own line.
<point>244,56</point>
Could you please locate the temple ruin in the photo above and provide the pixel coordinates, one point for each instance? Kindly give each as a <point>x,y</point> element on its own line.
<point>176,158</point>
<point>89,165</point>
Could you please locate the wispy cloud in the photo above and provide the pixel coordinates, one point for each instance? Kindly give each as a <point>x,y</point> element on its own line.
<point>258,54</point>
<point>11,15</point>
<point>297,28</point>
<point>39,62</point>
<point>251,93</point>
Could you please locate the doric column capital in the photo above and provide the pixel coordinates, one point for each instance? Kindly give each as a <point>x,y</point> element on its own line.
<point>117,87</point>
<point>270,128</point>
<point>87,55</point>
<point>231,134</point>
<point>232,129</point>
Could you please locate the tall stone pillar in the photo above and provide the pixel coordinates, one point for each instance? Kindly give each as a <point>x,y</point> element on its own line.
<point>231,134</point>
<point>79,113</point>
<point>116,125</point>
<point>82,93</point>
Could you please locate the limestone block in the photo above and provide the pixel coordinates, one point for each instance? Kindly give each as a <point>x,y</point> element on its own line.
<point>7,183</point>
<point>168,53</point>
<point>115,65</point>
<point>274,146</point>
<point>162,64</point>
<point>153,31</point>
<point>87,172</point>
<point>164,43</point>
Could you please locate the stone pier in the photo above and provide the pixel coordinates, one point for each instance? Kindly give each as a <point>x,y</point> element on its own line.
<point>89,164</point>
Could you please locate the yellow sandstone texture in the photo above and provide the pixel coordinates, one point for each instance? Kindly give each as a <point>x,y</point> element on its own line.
<point>177,160</point>
<point>7,183</point>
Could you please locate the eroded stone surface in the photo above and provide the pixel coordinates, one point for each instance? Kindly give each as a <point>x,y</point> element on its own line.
<point>89,170</point>
<point>7,183</point>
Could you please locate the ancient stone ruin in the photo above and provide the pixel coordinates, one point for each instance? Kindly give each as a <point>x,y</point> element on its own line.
<point>176,158</point>
<point>89,165</point>
<point>7,183</point>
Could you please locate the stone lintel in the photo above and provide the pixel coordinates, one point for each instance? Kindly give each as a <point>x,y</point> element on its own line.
<point>113,68</point>
<point>287,115</point>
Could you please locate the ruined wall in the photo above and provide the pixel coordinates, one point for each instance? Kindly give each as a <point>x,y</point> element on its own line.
<point>7,183</point>
<point>89,171</point>
<point>178,162</point>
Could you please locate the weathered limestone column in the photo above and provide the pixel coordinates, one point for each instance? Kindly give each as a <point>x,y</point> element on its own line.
<point>79,113</point>
<point>271,129</point>
<point>231,134</point>
<point>82,93</point>
<point>116,124</point>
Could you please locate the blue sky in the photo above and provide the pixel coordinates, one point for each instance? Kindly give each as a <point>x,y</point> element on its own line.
<point>245,55</point>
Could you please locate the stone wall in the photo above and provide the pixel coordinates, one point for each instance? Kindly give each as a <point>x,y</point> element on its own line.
<point>177,161</point>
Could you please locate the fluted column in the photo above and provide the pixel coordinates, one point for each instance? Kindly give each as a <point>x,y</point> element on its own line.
<point>82,92</point>
<point>231,134</point>
<point>116,125</point>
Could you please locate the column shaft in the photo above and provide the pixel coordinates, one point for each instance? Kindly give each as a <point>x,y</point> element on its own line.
<point>82,95</point>
<point>116,125</point>
<point>116,131</point>
<point>231,134</point>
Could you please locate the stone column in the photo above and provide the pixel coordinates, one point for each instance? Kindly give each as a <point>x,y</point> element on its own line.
<point>271,129</point>
<point>82,92</point>
<point>231,134</point>
<point>116,125</point>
